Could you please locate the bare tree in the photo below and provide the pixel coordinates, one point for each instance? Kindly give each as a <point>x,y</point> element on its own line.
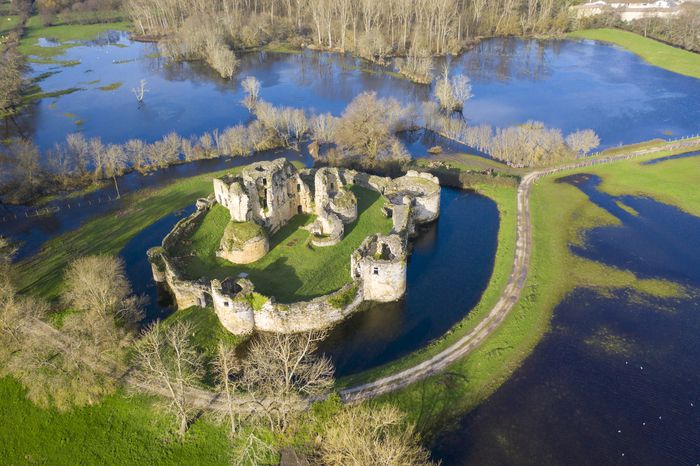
<point>140,91</point>
<point>227,366</point>
<point>282,370</point>
<point>169,360</point>
<point>582,142</point>
<point>251,86</point>
<point>452,93</point>
<point>365,434</point>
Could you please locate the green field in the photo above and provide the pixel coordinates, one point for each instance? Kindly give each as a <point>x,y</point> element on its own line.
<point>293,270</point>
<point>66,36</point>
<point>8,23</point>
<point>654,52</point>
<point>119,430</point>
<point>560,213</point>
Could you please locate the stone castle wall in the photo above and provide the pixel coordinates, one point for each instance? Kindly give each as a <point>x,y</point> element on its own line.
<point>378,266</point>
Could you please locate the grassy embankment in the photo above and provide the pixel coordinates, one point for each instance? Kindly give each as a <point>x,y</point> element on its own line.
<point>293,270</point>
<point>560,213</point>
<point>7,24</point>
<point>654,52</point>
<point>120,429</point>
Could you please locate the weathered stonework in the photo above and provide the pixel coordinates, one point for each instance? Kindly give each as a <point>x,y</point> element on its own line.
<point>267,195</point>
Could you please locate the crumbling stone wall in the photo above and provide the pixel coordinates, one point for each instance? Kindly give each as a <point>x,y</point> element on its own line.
<point>269,194</point>
<point>380,265</point>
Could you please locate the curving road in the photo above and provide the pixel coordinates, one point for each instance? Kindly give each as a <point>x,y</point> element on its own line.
<point>205,399</point>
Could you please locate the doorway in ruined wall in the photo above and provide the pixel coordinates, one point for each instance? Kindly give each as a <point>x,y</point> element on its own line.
<point>205,300</point>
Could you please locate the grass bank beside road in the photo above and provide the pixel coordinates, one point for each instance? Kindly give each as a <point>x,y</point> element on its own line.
<point>654,52</point>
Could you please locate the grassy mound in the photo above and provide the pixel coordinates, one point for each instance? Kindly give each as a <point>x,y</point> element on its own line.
<point>293,270</point>
<point>236,234</point>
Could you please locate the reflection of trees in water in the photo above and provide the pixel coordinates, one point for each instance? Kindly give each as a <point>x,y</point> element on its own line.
<point>23,124</point>
<point>106,38</point>
<point>508,58</point>
<point>194,71</point>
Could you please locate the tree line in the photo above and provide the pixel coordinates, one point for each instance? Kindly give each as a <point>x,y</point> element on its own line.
<point>416,29</point>
<point>363,137</point>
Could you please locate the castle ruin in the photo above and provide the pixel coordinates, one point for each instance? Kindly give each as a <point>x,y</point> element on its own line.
<point>266,196</point>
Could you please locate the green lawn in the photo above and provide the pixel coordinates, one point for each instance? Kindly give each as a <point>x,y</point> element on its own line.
<point>119,430</point>
<point>654,52</point>
<point>42,274</point>
<point>560,212</point>
<point>67,36</point>
<point>293,270</point>
<point>8,23</point>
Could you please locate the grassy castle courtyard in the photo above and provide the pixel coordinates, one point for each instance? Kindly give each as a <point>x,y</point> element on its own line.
<point>293,270</point>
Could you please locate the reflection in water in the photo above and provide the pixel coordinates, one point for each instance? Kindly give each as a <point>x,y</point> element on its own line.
<point>568,85</point>
<point>615,381</point>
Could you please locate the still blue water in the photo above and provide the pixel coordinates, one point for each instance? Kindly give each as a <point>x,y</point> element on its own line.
<point>566,84</point>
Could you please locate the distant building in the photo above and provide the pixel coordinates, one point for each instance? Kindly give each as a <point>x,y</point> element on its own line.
<point>629,10</point>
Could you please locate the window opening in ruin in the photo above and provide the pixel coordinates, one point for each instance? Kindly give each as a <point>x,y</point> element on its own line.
<point>226,303</point>
<point>332,186</point>
<point>298,209</point>
<point>264,181</point>
<point>298,187</point>
<point>375,270</point>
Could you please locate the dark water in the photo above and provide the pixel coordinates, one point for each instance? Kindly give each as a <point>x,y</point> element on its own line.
<point>463,239</point>
<point>138,269</point>
<point>616,381</point>
<point>671,157</point>
<point>448,271</point>
<point>567,84</point>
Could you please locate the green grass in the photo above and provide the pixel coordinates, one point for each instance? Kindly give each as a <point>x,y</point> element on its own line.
<point>67,36</point>
<point>207,330</point>
<point>111,87</point>
<point>673,182</point>
<point>8,23</point>
<point>41,274</point>
<point>119,430</point>
<point>654,52</point>
<point>293,269</point>
<point>560,213</point>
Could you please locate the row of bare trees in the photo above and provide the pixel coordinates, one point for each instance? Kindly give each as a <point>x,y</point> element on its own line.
<point>371,29</point>
<point>527,145</point>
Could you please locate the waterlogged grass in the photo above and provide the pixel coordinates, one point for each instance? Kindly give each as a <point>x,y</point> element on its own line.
<point>293,269</point>
<point>560,213</point>
<point>41,274</point>
<point>654,52</point>
<point>118,430</point>
<point>64,37</point>
<point>675,181</point>
<point>111,87</point>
